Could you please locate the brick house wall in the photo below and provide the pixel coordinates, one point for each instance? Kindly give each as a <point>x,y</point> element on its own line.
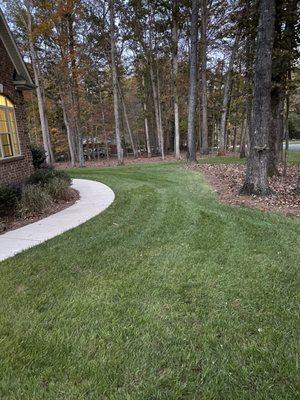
<point>14,170</point>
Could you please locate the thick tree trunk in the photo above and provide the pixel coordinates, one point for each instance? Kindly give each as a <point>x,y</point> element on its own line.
<point>115,85</point>
<point>175,35</point>
<point>256,180</point>
<point>226,98</point>
<point>191,153</point>
<point>203,88</point>
<point>40,94</point>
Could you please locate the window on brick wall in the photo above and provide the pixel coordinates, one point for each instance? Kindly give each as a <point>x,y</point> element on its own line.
<point>9,140</point>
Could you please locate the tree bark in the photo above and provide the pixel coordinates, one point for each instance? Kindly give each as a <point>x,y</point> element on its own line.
<point>115,84</point>
<point>191,153</point>
<point>226,98</point>
<point>203,88</point>
<point>256,180</point>
<point>175,35</point>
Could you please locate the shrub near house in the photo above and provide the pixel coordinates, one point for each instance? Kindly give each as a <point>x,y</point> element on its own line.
<point>40,195</point>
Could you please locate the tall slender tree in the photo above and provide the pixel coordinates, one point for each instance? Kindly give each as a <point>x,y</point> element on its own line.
<point>203,79</point>
<point>115,82</point>
<point>175,36</point>
<point>227,95</point>
<point>191,154</point>
<point>32,31</point>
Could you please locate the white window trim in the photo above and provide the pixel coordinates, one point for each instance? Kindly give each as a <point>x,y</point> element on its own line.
<point>6,109</point>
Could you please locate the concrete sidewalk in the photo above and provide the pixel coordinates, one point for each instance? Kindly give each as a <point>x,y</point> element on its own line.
<point>95,197</point>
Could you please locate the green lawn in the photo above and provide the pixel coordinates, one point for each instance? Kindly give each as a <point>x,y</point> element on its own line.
<point>293,158</point>
<point>166,295</point>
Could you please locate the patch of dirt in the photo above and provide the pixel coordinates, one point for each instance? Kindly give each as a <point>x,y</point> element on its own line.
<point>10,223</point>
<point>227,179</point>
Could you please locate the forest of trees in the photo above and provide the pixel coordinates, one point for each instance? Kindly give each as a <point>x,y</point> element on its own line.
<point>156,77</point>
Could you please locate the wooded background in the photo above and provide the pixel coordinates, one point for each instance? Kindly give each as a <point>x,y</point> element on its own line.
<point>155,77</point>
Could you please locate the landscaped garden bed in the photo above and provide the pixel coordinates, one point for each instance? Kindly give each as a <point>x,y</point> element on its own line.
<point>46,192</point>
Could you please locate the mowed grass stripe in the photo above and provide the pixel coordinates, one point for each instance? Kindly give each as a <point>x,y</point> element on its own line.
<point>166,295</point>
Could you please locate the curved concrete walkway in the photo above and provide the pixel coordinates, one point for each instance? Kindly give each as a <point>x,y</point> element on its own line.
<point>95,197</point>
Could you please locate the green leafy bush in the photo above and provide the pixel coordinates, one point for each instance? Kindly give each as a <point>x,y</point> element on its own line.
<point>34,200</point>
<point>38,156</point>
<point>44,176</point>
<point>59,189</point>
<point>8,199</point>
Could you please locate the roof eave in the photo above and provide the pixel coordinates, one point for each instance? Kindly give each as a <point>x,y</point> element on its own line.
<point>13,52</point>
<point>24,85</point>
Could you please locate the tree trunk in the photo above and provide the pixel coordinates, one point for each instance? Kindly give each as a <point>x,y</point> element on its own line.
<point>203,89</point>
<point>226,98</point>
<point>191,154</point>
<point>128,127</point>
<point>146,119</point>
<point>249,50</point>
<point>256,180</point>
<point>155,89</point>
<point>234,139</point>
<point>286,129</point>
<point>74,90</point>
<point>69,133</point>
<point>160,115</point>
<point>175,35</point>
<point>147,130</point>
<point>243,139</point>
<point>276,131</point>
<point>156,110</point>
<point>283,55</point>
<point>103,127</point>
<point>115,84</point>
<point>40,93</point>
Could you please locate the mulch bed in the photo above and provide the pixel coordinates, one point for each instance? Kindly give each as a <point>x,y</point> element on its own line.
<point>227,179</point>
<point>10,223</point>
